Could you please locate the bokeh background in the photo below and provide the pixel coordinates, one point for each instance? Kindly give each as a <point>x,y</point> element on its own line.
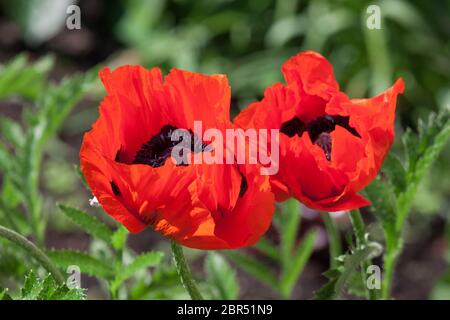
<point>248,41</point>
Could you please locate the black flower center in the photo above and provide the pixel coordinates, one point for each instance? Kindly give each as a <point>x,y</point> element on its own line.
<point>319,130</point>
<point>155,152</point>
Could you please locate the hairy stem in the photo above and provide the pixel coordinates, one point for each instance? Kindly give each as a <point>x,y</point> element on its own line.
<point>393,248</point>
<point>32,249</point>
<point>185,273</point>
<point>360,233</point>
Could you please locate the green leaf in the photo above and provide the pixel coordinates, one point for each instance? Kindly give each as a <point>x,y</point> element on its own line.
<point>87,263</point>
<point>293,270</point>
<point>222,276</point>
<point>57,102</point>
<point>339,277</point>
<point>20,78</point>
<point>395,171</point>
<point>392,193</point>
<point>47,289</point>
<point>4,294</point>
<point>421,152</point>
<point>64,293</point>
<point>88,223</point>
<point>146,260</point>
<point>6,160</point>
<point>253,267</point>
<point>119,238</point>
<point>31,287</point>
<point>382,196</point>
<point>289,225</point>
<point>12,131</point>
<point>267,248</point>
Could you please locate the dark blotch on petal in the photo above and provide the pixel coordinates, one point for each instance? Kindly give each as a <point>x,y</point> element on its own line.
<point>319,125</point>
<point>155,152</point>
<point>244,186</point>
<point>293,127</point>
<point>344,123</point>
<point>115,189</point>
<point>117,157</point>
<point>319,130</point>
<point>157,149</point>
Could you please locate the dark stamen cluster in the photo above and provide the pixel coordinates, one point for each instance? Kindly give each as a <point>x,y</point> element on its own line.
<point>319,130</point>
<point>155,152</point>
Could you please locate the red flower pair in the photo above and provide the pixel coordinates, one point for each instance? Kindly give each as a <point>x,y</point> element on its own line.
<point>330,148</point>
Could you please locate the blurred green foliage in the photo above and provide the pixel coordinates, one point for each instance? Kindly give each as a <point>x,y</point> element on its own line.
<point>248,41</point>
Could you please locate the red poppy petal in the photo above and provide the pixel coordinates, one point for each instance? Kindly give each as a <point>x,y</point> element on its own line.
<point>193,96</point>
<point>351,154</point>
<point>100,179</point>
<point>376,112</point>
<point>251,217</point>
<point>348,202</point>
<point>311,76</point>
<point>374,120</point>
<point>312,72</point>
<point>135,95</point>
<point>312,177</point>
<point>280,189</point>
<point>196,226</point>
<point>277,107</point>
<point>132,194</point>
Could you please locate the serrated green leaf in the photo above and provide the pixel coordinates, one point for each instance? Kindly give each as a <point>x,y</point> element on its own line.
<point>421,153</point>
<point>12,131</point>
<point>395,171</point>
<point>382,196</point>
<point>57,102</point>
<point>222,276</point>
<point>64,293</point>
<point>88,223</point>
<point>48,289</point>
<point>356,286</point>
<point>254,267</point>
<point>339,277</point>
<point>31,287</point>
<point>146,260</point>
<point>86,263</point>
<point>20,78</point>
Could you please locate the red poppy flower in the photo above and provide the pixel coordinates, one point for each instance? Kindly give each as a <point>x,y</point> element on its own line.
<point>331,146</point>
<point>127,161</point>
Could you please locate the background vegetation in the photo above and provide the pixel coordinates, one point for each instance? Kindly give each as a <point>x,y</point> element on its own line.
<point>49,97</point>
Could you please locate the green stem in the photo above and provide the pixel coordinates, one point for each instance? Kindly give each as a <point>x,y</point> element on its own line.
<point>334,238</point>
<point>114,290</point>
<point>32,249</point>
<point>358,226</point>
<point>360,232</point>
<point>389,259</point>
<point>185,273</point>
